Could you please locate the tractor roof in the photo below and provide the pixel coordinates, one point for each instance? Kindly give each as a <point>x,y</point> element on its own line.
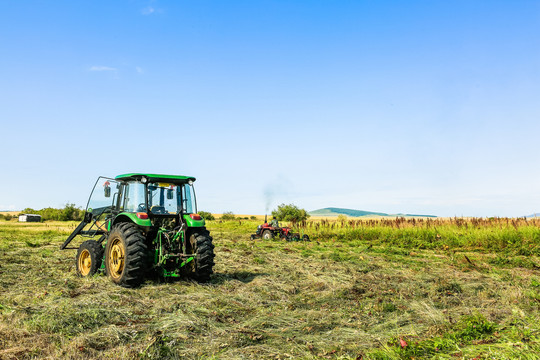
<point>173,179</point>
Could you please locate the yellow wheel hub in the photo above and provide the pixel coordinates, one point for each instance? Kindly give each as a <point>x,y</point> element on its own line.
<point>85,262</point>
<point>116,258</point>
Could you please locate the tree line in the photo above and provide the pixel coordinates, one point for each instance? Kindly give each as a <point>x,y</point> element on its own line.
<point>69,212</point>
<point>72,213</point>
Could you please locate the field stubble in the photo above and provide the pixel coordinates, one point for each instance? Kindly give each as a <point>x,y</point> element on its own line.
<point>372,290</point>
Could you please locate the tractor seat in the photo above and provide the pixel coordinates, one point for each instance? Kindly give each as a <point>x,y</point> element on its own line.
<point>158,210</point>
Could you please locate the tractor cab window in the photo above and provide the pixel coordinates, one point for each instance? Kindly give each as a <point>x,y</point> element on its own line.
<point>134,200</point>
<point>163,198</point>
<point>189,206</point>
<point>103,197</point>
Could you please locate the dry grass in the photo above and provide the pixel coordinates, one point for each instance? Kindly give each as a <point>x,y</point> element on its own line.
<point>242,216</point>
<point>328,298</point>
<point>12,213</point>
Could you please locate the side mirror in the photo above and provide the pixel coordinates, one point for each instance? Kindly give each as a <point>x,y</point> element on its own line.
<point>107,188</point>
<point>170,194</point>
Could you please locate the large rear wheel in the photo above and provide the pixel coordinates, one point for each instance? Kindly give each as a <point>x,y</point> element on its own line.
<point>125,255</point>
<point>89,258</point>
<point>201,245</point>
<point>267,235</point>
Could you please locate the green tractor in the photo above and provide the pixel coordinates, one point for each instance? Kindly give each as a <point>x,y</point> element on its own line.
<point>138,223</point>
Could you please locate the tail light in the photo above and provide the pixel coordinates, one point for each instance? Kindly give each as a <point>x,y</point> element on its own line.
<point>142,215</point>
<point>195,216</point>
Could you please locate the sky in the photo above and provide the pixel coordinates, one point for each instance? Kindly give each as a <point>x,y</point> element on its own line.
<point>422,107</point>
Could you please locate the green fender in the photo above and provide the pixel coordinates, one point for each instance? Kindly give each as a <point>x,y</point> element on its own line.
<point>133,218</point>
<point>146,222</point>
<point>193,223</point>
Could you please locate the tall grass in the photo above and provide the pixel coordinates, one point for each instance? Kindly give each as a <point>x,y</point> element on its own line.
<point>520,236</point>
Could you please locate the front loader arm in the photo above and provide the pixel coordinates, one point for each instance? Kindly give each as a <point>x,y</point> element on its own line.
<point>75,232</point>
<point>78,230</point>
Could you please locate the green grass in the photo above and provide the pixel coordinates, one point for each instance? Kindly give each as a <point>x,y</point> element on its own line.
<point>448,290</point>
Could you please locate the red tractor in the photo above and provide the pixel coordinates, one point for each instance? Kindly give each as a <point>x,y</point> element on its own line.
<point>266,231</point>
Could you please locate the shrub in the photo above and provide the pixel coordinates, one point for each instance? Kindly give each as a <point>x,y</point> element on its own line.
<point>69,212</point>
<point>253,217</point>
<point>206,215</point>
<point>228,215</point>
<point>290,213</point>
<point>8,217</point>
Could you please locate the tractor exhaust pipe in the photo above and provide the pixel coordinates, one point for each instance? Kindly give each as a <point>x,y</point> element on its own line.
<point>265,219</point>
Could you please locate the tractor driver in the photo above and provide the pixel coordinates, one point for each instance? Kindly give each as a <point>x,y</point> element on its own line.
<point>274,222</point>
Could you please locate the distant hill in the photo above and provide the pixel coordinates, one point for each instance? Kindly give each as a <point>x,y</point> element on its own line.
<point>533,215</point>
<point>356,213</point>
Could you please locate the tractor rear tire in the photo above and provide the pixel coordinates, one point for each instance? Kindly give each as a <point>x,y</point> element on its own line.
<point>89,258</point>
<point>201,245</point>
<point>267,235</point>
<point>125,255</point>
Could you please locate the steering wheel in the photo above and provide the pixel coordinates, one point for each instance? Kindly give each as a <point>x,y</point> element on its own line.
<point>141,207</point>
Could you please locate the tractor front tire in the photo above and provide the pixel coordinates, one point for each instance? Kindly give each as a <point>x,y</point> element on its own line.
<point>201,245</point>
<point>267,235</point>
<point>89,258</point>
<point>125,255</point>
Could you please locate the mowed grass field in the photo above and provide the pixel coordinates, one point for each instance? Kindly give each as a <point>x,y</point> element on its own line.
<point>374,289</point>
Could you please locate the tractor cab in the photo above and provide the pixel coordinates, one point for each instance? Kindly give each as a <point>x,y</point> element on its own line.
<point>157,195</point>
<point>143,199</point>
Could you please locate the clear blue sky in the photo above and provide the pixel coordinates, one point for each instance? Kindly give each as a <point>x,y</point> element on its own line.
<point>428,107</point>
